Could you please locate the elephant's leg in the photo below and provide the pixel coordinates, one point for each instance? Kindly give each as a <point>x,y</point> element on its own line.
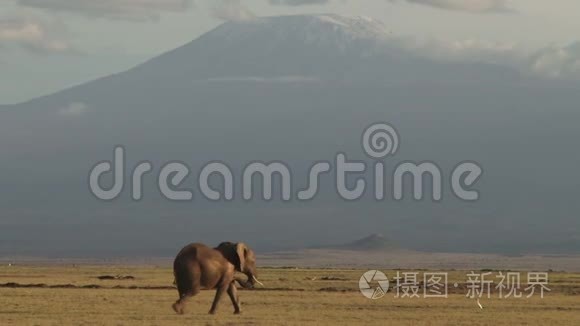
<point>189,291</point>
<point>179,305</point>
<point>233,293</point>
<point>218,295</point>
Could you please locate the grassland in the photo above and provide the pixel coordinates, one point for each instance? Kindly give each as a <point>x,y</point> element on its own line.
<point>73,295</point>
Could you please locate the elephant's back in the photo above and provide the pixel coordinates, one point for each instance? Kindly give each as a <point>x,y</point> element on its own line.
<point>189,255</point>
<point>192,250</point>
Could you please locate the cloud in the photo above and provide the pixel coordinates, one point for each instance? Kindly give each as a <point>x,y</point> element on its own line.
<point>232,10</point>
<point>557,62</point>
<point>297,2</point>
<point>140,10</point>
<point>74,109</point>
<point>469,50</point>
<point>474,6</point>
<point>33,34</point>
<point>256,79</point>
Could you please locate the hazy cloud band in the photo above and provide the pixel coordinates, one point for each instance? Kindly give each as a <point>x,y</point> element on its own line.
<point>115,9</point>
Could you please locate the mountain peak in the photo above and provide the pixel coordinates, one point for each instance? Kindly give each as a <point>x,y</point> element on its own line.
<point>372,242</point>
<point>311,29</point>
<point>295,49</point>
<point>312,47</point>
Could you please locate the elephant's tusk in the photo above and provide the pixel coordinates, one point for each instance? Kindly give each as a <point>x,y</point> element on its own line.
<point>256,280</point>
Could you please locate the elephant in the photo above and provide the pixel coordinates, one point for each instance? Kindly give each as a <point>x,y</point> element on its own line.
<point>198,266</point>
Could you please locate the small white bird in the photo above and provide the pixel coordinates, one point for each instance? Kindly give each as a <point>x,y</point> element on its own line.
<point>479,304</point>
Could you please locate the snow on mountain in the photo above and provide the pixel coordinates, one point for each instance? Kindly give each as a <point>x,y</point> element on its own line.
<point>322,30</point>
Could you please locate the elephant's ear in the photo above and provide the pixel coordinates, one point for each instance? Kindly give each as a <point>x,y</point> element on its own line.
<point>242,251</point>
<point>229,250</point>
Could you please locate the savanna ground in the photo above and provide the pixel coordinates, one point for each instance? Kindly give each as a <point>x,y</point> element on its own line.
<point>74,295</point>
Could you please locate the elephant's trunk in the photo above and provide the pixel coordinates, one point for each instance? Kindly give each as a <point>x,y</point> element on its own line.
<point>243,283</point>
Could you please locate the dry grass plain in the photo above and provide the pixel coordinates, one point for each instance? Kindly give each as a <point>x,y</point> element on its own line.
<point>73,295</point>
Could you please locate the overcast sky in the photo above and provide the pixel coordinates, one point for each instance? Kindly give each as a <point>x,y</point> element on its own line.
<point>47,45</point>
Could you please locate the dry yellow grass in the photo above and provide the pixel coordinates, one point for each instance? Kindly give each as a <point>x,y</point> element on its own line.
<point>291,297</point>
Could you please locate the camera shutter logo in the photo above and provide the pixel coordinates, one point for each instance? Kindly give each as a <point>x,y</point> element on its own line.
<point>373,284</point>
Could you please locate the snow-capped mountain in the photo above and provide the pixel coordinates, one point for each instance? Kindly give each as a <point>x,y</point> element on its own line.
<point>296,89</point>
<point>299,48</point>
<point>307,46</point>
